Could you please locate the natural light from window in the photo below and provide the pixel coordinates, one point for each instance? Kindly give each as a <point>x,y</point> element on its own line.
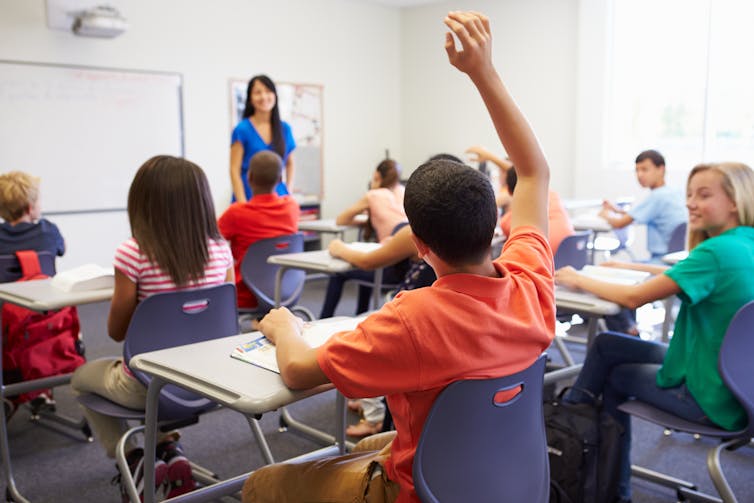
<point>681,81</point>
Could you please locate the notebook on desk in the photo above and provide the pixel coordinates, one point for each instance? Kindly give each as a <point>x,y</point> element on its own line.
<point>614,274</point>
<point>261,352</point>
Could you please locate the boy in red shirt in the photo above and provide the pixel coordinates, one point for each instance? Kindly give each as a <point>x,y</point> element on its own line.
<point>265,215</point>
<point>480,319</point>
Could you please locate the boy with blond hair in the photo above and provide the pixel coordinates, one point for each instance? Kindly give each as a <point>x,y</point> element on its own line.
<point>23,228</point>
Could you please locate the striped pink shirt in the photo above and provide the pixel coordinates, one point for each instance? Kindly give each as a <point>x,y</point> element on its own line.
<point>150,279</point>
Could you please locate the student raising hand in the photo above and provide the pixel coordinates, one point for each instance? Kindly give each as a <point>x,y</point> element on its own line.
<point>473,31</point>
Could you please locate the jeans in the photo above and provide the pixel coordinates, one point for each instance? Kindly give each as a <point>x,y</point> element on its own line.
<point>618,367</point>
<point>390,275</point>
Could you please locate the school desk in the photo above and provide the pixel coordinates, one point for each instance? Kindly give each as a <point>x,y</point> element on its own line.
<point>207,369</point>
<point>321,261</point>
<point>38,295</point>
<point>675,257</point>
<point>328,226</point>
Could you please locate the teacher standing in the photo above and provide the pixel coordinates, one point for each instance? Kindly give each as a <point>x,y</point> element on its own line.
<point>260,129</point>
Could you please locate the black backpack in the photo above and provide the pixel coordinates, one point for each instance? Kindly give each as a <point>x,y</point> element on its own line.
<point>583,447</point>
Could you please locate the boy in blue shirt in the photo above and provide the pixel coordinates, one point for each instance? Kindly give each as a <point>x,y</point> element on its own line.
<point>662,211</point>
<point>23,228</point>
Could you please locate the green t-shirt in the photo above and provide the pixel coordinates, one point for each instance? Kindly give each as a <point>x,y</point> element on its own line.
<point>715,281</point>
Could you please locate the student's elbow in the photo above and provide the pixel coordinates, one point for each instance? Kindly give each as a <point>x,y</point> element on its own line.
<point>632,300</point>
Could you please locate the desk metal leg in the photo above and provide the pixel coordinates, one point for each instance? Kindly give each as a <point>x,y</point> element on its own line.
<point>377,289</point>
<point>150,439</point>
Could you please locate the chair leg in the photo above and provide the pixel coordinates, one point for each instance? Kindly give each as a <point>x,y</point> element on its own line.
<point>261,441</point>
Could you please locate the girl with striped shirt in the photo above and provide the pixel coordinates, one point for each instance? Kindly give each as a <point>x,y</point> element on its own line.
<point>175,245</point>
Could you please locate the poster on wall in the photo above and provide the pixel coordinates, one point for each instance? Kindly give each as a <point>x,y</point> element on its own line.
<point>300,106</point>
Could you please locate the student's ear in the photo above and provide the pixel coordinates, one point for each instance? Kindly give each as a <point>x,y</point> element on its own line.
<point>421,246</point>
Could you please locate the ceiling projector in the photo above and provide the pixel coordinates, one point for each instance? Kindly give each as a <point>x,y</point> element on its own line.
<point>102,21</point>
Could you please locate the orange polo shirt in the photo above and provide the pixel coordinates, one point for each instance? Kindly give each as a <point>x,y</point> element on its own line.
<point>463,326</point>
<point>263,216</point>
<point>559,223</point>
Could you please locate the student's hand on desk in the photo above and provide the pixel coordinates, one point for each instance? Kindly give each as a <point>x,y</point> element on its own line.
<point>473,32</point>
<point>280,322</point>
<point>567,276</point>
<point>336,247</point>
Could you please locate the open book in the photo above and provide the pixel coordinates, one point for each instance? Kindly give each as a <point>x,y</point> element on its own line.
<point>261,352</point>
<point>85,277</point>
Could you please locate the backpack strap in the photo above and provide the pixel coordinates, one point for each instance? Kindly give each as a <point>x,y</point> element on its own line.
<point>29,261</point>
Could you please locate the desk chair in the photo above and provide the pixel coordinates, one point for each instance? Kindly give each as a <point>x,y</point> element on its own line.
<point>475,448</point>
<point>10,268</point>
<point>735,369</point>
<point>620,241</point>
<point>573,251</point>
<point>677,243</point>
<point>259,276</point>
<point>166,320</point>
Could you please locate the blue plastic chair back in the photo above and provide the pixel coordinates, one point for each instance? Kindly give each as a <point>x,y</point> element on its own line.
<point>166,320</point>
<point>259,276</point>
<point>677,239</point>
<point>473,448</point>
<point>10,268</point>
<point>573,251</point>
<point>735,361</point>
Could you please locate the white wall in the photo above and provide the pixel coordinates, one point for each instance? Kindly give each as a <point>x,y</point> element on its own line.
<point>534,49</point>
<point>352,48</point>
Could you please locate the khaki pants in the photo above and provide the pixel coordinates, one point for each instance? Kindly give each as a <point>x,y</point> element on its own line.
<point>356,477</point>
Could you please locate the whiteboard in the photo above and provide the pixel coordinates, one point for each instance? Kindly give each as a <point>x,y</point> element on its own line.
<point>85,131</point>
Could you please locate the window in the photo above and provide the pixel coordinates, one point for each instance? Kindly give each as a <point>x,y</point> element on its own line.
<point>681,81</point>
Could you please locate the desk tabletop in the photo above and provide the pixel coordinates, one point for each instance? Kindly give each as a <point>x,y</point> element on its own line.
<point>208,369</point>
<point>675,257</point>
<point>319,260</point>
<point>583,302</point>
<point>322,225</point>
<point>40,295</point>
<point>590,222</point>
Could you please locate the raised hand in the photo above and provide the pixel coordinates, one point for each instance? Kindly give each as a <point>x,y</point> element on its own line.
<point>473,32</point>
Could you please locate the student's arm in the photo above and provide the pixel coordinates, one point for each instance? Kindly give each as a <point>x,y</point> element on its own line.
<point>616,221</point>
<point>296,359</point>
<point>529,205</point>
<point>636,266</point>
<point>633,296</point>
<point>347,217</point>
<point>122,306</point>
<point>230,275</point>
<point>480,154</point>
<point>290,171</point>
<point>236,158</point>
<point>395,249</point>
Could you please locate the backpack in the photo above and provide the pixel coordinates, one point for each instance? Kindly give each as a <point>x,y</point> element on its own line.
<point>38,344</point>
<point>583,448</point>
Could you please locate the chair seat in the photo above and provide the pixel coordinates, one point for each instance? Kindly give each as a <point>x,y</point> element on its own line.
<point>654,415</point>
<point>104,406</point>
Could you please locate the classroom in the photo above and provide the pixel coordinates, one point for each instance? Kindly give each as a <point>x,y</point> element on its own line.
<point>579,69</point>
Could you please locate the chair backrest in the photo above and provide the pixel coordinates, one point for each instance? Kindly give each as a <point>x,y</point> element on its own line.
<point>170,319</point>
<point>735,361</point>
<point>677,239</point>
<point>475,448</point>
<point>573,251</point>
<point>10,268</point>
<point>259,276</point>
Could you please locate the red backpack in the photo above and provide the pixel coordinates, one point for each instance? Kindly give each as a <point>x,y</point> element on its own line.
<point>37,344</point>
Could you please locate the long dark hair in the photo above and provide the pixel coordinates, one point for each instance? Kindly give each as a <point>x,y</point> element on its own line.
<point>278,140</point>
<point>172,216</point>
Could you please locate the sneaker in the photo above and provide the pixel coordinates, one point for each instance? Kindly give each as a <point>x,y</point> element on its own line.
<point>180,477</point>
<point>42,403</point>
<point>135,460</point>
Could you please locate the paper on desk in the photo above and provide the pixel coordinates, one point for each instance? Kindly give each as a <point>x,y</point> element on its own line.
<point>363,246</point>
<point>261,352</point>
<point>614,274</point>
<point>85,277</point>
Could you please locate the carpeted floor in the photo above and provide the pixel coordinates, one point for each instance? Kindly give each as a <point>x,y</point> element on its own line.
<point>51,467</point>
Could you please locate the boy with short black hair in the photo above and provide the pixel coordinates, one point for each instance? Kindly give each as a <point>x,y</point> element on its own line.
<point>265,215</point>
<point>480,319</point>
<point>662,211</point>
<point>23,228</point>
